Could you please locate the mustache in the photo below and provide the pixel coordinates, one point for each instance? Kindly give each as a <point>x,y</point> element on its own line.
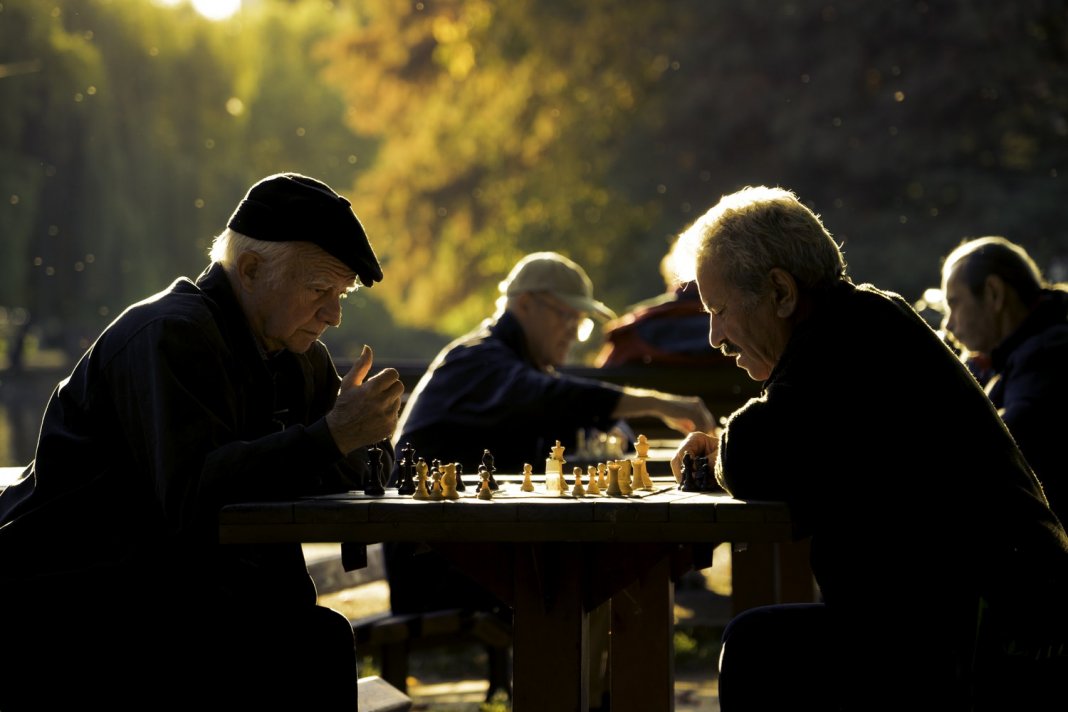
<point>728,349</point>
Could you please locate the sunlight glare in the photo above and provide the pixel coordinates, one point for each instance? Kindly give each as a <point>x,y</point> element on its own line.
<point>212,9</point>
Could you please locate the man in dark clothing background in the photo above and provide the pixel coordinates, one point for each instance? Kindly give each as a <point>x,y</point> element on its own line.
<point>954,512</point>
<point>114,589</point>
<point>998,306</point>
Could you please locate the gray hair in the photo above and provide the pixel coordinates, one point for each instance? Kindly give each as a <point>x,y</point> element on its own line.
<point>994,255</point>
<point>756,229</point>
<point>279,257</point>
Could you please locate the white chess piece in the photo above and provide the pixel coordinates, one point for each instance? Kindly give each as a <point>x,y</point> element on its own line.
<point>591,475</point>
<point>527,485</point>
<point>578,490</point>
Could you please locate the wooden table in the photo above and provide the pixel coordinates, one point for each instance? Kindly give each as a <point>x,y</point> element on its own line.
<point>554,559</point>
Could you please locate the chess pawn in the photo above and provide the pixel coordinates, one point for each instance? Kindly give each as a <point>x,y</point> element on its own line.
<point>461,486</point>
<point>613,480</point>
<point>624,477</point>
<point>578,490</point>
<point>602,476</point>
<point>527,485</point>
<point>484,489</point>
<point>591,475</point>
<point>420,487</point>
<point>435,484</point>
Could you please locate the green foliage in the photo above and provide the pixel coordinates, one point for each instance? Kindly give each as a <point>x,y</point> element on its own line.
<point>469,132</point>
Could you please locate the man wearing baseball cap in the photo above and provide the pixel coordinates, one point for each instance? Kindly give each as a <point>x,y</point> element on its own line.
<point>212,391</point>
<point>497,388</point>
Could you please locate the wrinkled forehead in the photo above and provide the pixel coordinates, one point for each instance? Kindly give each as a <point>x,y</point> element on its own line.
<point>315,265</point>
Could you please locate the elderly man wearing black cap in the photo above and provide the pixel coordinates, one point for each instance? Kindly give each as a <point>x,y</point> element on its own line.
<point>212,391</point>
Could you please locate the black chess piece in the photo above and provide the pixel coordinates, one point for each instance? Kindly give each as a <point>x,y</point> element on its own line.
<point>487,462</point>
<point>460,485</point>
<point>687,482</point>
<point>406,478</point>
<point>375,484</point>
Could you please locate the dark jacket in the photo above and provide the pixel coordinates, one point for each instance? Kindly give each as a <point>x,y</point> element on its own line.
<point>1030,389</point>
<point>899,474</point>
<point>483,391</point>
<point>173,412</point>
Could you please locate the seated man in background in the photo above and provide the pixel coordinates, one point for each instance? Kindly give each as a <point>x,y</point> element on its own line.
<point>942,569</point>
<point>497,388</point>
<point>998,305</point>
<point>114,588</point>
<point>670,329</point>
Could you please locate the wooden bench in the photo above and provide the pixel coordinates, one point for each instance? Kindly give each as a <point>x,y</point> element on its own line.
<point>377,695</point>
<point>392,638</point>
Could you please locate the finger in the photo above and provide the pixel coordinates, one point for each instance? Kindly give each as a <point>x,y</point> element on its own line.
<point>359,369</point>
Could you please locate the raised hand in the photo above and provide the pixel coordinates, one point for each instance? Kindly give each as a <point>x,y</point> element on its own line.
<point>367,409</point>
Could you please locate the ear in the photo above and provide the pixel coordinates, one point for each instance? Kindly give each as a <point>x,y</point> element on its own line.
<point>249,265</point>
<point>784,292</point>
<point>994,292</point>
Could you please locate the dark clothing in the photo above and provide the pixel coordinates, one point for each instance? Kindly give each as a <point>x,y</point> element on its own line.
<point>483,391</point>
<point>915,526</point>
<point>1030,389</point>
<point>669,330</point>
<point>173,412</point>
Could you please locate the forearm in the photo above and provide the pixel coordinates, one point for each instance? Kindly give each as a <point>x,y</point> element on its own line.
<point>684,413</point>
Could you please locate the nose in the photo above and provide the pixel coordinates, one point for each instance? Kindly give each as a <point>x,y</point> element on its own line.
<point>330,312</point>
<point>715,332</point>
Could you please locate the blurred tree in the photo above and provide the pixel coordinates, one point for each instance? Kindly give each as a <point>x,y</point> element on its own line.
<point>601,129</point>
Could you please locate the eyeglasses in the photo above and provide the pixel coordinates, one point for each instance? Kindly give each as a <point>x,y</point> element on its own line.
<point>582,324</point>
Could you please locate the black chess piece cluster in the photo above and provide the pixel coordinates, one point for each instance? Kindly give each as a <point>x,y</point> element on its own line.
<point>697,475</point>
<point>408,470</point>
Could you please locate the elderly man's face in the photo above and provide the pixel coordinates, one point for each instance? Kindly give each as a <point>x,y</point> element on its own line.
<point>751,330</point>
<point>971,320</point>
<point>293,310</point>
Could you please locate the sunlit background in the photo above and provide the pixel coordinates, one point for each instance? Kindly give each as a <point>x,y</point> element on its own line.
<point>467,133</point>
<point>211,9</point>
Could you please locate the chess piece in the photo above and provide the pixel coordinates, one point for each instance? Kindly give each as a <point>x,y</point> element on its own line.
<point>554,469</point>
<point>435,484</point>
<point>641,447</point>
<point>591,475</point>
<point>448,482</point>
<point>527,485</point>
<point>625,485</point>
<point>602,476</point>
<point>406,476</point>
<point>485,491</point>
<point>578,490</point>
<point>420,486</point>
<point>375,484</point>
<point>686,480</point>
<point>613,480</point>
<point>642,480</point>
<point>461,486</point>
<point>487,462</point>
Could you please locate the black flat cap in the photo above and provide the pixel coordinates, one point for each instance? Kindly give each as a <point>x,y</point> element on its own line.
<point>290,207</point>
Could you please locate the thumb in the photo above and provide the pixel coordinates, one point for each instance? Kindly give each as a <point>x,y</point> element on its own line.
<point>359,369</point>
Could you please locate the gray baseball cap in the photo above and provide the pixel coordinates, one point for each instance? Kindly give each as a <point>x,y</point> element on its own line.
<point>562,277</point>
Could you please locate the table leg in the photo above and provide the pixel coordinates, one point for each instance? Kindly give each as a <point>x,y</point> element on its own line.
<point>642,653</point>
<point>550,669</point>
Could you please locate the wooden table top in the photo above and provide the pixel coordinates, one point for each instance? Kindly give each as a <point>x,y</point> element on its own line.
<point>663,514</point>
